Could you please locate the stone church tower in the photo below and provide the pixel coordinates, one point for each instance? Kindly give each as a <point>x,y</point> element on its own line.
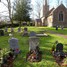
<point>45,7</point>
<point>45,12</point>
<point>55,16</point>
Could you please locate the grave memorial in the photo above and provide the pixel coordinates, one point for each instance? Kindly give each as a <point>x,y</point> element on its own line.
<point>13,42</point>
<point>34,54</point>
<point>1,32</point>
<point>32,34</point>
<point>6,29</point>
<point>33,41</point>
<point>25,32</point>
<point>12,30</point>
<point>56,27</point>
<point>19,29</point>
<point>58,54</point>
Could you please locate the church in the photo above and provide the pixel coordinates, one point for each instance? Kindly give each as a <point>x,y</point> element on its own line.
<point>55,16</point>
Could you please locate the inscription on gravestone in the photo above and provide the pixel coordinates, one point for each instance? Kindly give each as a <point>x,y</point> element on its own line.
<point>33,43</point>
<point>13,42</point>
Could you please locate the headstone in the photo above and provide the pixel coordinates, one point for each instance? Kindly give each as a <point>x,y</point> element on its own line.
<point>32,33</point>
<point>59,47</point>
<point>56,27</point>
<point>25,29</point>
<point>13,42</point>
<point>62,27</point>
<point>59,55</point>
<point>33,43</point>
<point>12,30</point>
<point>19,29</point>
<point>6,29</point>
<point>25,32</point>
<point>1,32</point>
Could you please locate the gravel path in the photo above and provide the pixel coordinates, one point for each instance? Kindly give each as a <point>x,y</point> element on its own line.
<point>64,36</point>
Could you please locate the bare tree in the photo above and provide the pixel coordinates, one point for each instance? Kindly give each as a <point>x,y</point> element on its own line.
<point>38,8</point>
<point>9,10</point>
<point>9,7</point>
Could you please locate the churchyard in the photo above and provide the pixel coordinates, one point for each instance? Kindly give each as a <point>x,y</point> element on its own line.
<point>45,44</point>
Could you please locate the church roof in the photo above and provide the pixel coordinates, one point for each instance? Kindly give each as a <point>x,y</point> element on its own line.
<point>53,9</point>
<point>60,6</point>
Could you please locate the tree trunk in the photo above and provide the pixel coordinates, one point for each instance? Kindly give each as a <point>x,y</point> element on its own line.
<point>9,9</point>
<point>11,20</point>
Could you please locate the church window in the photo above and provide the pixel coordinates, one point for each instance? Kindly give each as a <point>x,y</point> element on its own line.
<point>61,16</point>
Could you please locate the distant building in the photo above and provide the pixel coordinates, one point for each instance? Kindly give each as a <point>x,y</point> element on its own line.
<point>38,22</point>
<point>54,17</point>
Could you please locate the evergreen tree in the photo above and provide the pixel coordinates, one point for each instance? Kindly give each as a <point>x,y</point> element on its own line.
<point>22,10</point>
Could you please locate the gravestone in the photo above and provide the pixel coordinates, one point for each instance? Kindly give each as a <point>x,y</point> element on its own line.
<point>62,27</point>
<point>25,32</point>
<point>13,42</point>
<point>1,32</point>
<point>59,55</point>
<point>56,27</point>
<point>32,33</point>
<point>6,29</point>
<point>59,47</point>
<point>19,29</point>
<point>12,30</point>
<point>33,43</point>
<point>34,54</point>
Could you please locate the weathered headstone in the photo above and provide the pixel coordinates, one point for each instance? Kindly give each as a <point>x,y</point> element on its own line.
<point>33,43</point>
<point>1,32</point>
<point>59,47</point>
<point>59,55</point>
<point>19,29</point>
<point>6,29</point>
<point>34,54</point>
<point>12,30</point>
<point>56,27</point>
<point>62,27</point>
<point>59,50</point>
<point>32,33</point>
<point>13,42</point>
<point>25,32</point>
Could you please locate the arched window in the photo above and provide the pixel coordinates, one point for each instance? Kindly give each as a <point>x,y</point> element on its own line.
<point>61,16</point>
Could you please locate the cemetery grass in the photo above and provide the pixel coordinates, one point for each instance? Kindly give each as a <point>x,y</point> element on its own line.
<point>46,44</point>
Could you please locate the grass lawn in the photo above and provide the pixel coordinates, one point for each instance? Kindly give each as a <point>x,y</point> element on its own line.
<point>46,44</point>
